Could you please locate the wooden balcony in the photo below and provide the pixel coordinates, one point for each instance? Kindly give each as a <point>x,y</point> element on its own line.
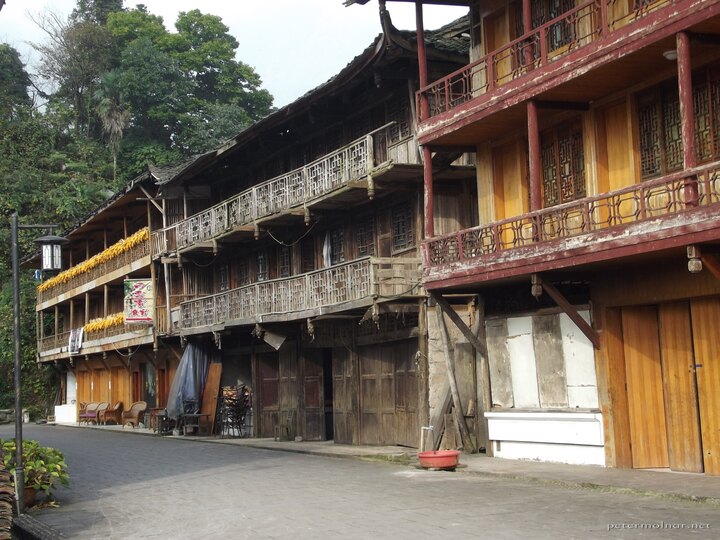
<point>346,286</point>
<point>675,210</point>
<point>110,339</point>
<point>600,46</point>
<point>349,168</point>
<point>113,268</point>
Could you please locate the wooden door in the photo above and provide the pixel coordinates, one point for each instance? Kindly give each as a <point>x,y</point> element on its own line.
<point>84,390</point>
<point>120,380</point>
<point>101,385</point>
<point>268,400</point>
<point>614,148</point>
<point>377,395</point>
<point>406,393</point>
<point>706,339</point>
<point>646,404</point>
<point>681,410</point>
<point>313,406</point>
<point>345,429</point>
<point>510,185</point>
<point>497,35</point>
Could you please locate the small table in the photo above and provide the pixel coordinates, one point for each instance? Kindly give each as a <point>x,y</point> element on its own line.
<point>159,421</point>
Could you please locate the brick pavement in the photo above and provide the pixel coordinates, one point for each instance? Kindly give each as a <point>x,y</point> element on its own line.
<point>151,487</point>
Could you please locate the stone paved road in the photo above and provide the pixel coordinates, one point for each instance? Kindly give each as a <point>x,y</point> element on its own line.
<point>127,486</point>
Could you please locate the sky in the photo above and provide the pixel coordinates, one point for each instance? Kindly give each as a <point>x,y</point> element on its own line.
<point>294,45</point>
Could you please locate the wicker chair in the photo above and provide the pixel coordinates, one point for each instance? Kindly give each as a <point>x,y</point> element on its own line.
<point>88,412</point>
<point>135,414</point>
<point>112,414</point>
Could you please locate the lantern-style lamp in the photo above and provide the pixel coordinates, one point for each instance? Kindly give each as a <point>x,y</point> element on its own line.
<point>51,252</point>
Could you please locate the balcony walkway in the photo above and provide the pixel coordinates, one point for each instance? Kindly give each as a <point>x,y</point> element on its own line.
<point>680,203</point>
<point>345,286</point>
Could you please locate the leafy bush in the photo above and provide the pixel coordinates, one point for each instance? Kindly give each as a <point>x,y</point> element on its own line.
<point>44,466</point>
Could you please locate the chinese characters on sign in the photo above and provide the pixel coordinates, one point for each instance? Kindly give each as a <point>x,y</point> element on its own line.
<point>139,301</point>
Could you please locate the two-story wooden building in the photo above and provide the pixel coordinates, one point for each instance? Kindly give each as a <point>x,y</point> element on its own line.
<point>80,312</point>
<point>595,126</point>
<point>293,250</point>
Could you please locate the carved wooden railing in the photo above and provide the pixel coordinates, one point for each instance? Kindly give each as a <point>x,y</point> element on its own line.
<point>53,342</point>
<point>352,162</point>
<point>667,196</point>
<point>121,260</point>
<point>365,278</point>
<point>542,46</point>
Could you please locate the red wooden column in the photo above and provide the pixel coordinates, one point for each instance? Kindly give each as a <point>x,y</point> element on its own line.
<point>534,157</point>
<point>687,116</point>
<point>424,115</point>
<point>527,28</point>
<point>687,119</point>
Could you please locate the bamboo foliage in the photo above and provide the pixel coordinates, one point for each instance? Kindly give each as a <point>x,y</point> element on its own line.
<point>117,249</point>
<point>103,323</point>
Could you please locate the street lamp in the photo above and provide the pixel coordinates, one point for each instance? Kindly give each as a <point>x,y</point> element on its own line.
<point>51,246</point>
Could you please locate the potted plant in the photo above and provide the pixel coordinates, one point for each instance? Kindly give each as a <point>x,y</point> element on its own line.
<point>44,466</point>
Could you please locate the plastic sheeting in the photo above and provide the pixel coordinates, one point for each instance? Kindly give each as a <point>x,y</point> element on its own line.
<point>189,379</point>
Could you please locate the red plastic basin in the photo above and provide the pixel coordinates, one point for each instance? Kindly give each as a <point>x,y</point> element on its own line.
<point>439,459</point>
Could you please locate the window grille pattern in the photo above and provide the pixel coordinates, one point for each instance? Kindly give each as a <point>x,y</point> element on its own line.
<point>307,255</point>
<point>403,234</point>
<point>224,277</point>
<point>563,164</point>
<point>398,111</point>
<point>337,246</point>
<point>283,261</point>
<point>561,33</point>
<point>262,267</point>
<point>365,237</point>
<point>661,143</point>
<point>242,272</point>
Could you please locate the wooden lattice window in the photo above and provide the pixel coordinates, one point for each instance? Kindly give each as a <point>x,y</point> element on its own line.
<point>563,164</point>
<point>661,146</point>
<point>337,246</point>
<point>403,233</point>
<point>242,272</point>
<point>283,262</point>
<point>224,277</point>
<point>706,105</point>
<point>307,255</point>
<point>365,237</point>
<point>559,34</point>
<point>398,111</point>
<point>262,266</point>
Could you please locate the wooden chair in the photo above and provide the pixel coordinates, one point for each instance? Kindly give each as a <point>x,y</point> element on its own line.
<point>135,414</point>
<point>101,408</point>
<point>112,414</point>
<point>88,412</point>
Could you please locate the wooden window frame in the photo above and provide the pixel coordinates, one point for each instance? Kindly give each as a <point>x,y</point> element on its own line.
<point>563,170</point>
<point>402,227</point>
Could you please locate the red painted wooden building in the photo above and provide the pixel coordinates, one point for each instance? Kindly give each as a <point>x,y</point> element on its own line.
<point>594,265</point>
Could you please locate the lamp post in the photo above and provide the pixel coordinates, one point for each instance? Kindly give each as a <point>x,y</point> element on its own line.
<point>51,247</point>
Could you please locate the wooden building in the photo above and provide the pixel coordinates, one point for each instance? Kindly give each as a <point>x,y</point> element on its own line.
<point>80,323</point>
<point>293,250</point>
<point>595,258</point>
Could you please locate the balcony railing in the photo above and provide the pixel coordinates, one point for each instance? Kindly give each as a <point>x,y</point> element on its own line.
<point>541,47</point>
<point>667,196</point>
<point>366,278</point>
<point>352,162</point>
<point>53,342</point>
<point>115,262</point>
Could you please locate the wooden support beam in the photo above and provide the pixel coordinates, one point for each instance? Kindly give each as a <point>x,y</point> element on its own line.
<point>569,310</point>
<point>712,263</point>
<point>457,321</point>
<point>468,443</point>
<point>564,105</point>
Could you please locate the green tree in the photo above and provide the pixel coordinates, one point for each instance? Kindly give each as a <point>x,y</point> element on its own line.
<point>14,81</point>
<point>113,114</point>
<point>95,11</point>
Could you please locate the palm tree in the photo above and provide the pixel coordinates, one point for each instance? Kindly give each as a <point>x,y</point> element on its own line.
<point>112,113</point>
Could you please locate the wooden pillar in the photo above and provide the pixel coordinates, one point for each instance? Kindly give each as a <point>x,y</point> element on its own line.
<point>428,189</point>
<point>422,59</point>
<point>534,157</point>
<point>57,320</point>
<point>527,16</point>
<point>72,314</point>
<point>687,119</point>
<point>106,294</point>
<point>87,308</point>
<point>423,366</point>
